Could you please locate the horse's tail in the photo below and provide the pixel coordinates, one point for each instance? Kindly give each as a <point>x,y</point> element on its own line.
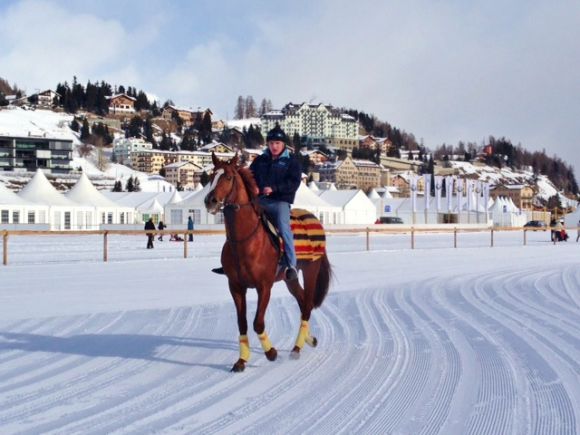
<point>322,281</point>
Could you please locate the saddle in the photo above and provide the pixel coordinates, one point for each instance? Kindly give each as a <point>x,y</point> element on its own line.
<point>309,237</point>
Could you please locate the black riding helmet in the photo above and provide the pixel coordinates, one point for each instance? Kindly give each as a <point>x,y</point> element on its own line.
<point>277,134</point>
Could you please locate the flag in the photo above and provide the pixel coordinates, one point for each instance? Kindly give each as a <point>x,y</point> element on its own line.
<point>413,182</point>
<point>438,187</point>
<point>427,182</point>
<point>449,188</point>
<point>459,195</point>
<point>469,191</point>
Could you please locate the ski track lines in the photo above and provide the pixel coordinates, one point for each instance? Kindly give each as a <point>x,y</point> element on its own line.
<point>491,353</point>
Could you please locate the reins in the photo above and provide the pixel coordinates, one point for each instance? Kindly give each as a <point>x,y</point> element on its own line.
<point>228,204</point>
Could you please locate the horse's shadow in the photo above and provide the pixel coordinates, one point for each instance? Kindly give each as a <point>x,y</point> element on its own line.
<point>127,346</point>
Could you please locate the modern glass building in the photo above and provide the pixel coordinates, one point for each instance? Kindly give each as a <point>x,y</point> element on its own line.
<point>27,154</point>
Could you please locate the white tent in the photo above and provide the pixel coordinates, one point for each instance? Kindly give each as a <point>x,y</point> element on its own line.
<point>16,210</point>
<point>104,210</point>
<point>309,200</point>
<point>63,212</point>
<point>178,212</point>
<point>356,207</point>
<point>504,213</point>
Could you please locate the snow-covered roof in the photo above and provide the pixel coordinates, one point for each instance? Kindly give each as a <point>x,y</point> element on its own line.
<point>40,191</point>
<point>36,123</point>
<point>8,197</point>
<point>85,193</point>
<point>306,198</point>
<point>243,123</point>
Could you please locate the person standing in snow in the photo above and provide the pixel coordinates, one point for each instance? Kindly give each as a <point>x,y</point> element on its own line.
<point>161,226</point>
<point>149,225</point>
<point>190,227</point>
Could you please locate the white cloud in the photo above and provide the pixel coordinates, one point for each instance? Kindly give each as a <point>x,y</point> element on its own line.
<point>43,44</point>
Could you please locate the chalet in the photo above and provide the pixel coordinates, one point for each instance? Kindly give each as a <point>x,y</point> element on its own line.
<point>185,174</point>
<point>216,147</point>
<point>316,157</point>
<point>188,116</point>
<point>47,98</point>
<point>522,195</point>
<point>349,173</point>
<point>121,103</point>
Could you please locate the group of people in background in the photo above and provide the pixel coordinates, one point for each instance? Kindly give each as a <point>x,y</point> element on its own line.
<point>559,233</point>
<point>174,237</point>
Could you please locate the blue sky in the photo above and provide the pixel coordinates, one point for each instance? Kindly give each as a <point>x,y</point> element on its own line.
<point>442,70</point>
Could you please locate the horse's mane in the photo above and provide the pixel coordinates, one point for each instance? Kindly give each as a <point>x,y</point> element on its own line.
<point>249,182</point>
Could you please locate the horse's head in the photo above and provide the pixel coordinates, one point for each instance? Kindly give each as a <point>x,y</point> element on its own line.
<point>223,181</point>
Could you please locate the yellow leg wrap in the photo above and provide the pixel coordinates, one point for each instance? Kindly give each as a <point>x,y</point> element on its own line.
<point>302,334</point>
<point>265,341</point>
<point>244,348</point>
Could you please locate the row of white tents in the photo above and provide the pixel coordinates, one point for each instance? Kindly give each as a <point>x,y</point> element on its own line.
<point>84,207</point>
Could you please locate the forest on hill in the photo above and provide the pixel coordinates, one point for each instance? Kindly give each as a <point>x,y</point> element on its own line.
<point>501,152</point>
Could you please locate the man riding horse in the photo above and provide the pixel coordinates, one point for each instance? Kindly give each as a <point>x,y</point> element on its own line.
<point>277,174</point>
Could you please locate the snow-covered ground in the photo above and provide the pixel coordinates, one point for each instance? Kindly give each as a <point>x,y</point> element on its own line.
<point>432,340</point>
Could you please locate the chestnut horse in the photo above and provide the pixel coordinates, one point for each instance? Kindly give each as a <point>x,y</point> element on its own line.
<point>250,259</point>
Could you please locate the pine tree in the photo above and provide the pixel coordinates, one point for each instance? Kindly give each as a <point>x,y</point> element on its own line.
<point>240,108</point>
<point>135,125</point>
<point>250,107</point>
<point>129,187</point>
<point>204,178</point>
<point>85,130</point>
<point>118,187</point>
<point>136,185</point>
<point>205,128</point>
<point>74,125</point>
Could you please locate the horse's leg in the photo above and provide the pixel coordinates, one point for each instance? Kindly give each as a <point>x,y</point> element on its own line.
<point>259,321</point>
<point>310,271</point>
<point>239,295</point>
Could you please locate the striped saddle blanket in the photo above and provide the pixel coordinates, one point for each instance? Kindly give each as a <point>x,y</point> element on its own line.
<point>309,237</point>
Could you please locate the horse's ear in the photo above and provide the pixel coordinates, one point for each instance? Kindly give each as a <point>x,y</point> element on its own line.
<point>235,160</point>
<point>214,159</point>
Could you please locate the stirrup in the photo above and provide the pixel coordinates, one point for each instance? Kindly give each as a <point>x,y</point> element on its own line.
<point>291,274</point>
<point>218,270</point>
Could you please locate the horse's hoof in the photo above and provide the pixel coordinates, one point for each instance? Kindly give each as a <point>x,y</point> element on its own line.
<point>295,354</point>
<point>312,341</point>
<point>272,354</point>
<point>239,366</point>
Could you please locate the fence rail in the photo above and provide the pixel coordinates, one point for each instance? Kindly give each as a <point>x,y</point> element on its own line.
<point>412,231</point>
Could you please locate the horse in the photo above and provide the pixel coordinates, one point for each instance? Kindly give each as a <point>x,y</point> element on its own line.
<point>250,259</point>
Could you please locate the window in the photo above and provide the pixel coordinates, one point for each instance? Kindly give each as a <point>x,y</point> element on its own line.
<point>31,217</point>
<point>122,218</point>
<point>67,220</point>
<point>103,218</point>
<point>5,216</point>
<point>195,215</point>
<point>176,217</point>
<point>15,217</point>
<point>110,218</point>
<point>219,218</point>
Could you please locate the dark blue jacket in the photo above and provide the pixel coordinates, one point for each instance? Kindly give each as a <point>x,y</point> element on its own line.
<point>282,175</point>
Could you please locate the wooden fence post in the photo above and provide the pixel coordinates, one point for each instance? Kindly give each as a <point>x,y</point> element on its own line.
<point>455,237</point>
<point>368,239</point>
<point>105,247</point>
<point>525,237</point>
<point>185,237</point>
<point>5,248</point>
<point>412,238</point>
<point>492,237</point>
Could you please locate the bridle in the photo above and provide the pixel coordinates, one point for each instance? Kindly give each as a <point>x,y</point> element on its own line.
<point>228,204</point>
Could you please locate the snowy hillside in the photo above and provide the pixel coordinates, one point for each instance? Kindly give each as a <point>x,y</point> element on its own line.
<point>21,122</point>
<point>494,175</point>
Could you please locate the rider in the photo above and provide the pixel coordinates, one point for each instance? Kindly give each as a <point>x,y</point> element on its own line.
<point>277,175</point>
